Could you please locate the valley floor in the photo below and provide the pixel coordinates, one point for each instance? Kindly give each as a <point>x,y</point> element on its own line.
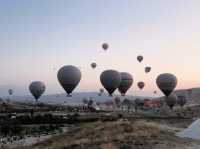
<point>122,134</point>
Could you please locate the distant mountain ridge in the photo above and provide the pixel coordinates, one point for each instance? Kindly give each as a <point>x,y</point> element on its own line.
<point>75,99</point>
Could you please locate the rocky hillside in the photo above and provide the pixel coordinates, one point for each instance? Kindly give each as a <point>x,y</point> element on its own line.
<point>193,95</point>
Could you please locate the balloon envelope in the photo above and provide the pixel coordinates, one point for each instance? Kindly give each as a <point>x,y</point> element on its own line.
<point>127,102</point>
<point>37,88</point>
<point>93,65</point>
<point>90,102</point>
<point>110,79</point>
<point>166,82</point>
<point>171,101</point>
<point>10,91</point>
<point>140,58</point>
<point>69,77</point>
<point>105,46</point>
<point>101,90</point>
<point>137,101</point>
<point>147,69</point>
<point>141,85</point>
<point>126,82</point>
<point>85,101</point>
<point>181,101</point>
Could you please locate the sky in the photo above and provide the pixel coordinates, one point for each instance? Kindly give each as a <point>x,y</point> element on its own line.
<point>38,37</point>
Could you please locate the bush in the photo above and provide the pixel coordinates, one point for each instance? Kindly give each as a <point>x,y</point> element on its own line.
<point>12,127</point>
<point>120,116</point>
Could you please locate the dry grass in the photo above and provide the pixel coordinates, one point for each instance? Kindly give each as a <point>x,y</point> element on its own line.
<point>104,135</point>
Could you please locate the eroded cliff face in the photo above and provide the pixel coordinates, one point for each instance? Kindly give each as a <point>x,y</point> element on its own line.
<point>192,95</point>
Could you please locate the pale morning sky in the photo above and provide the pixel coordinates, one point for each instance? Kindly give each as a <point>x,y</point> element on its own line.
<point>37,36</point>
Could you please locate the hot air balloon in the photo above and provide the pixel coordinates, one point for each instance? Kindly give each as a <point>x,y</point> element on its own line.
<point>90,102</point>
<point>171,100</point>
<point>137,101</point>
<point>110,79</point>
<point>127,103</point>
<point>141,85</point>
<point>181,101</point>
<point>166,82</point>
<point>105,46</point>
<point>93,65</point>
<point>126,82</point>
<point>140,58</point>
<point>10,91</point>
<point>37,88</point>
<point>69,77</point>
<point>147,69</point>
<point>85,101</point>
<point>101,91</point>
<point>117,101</point>
<point>162,102</point>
